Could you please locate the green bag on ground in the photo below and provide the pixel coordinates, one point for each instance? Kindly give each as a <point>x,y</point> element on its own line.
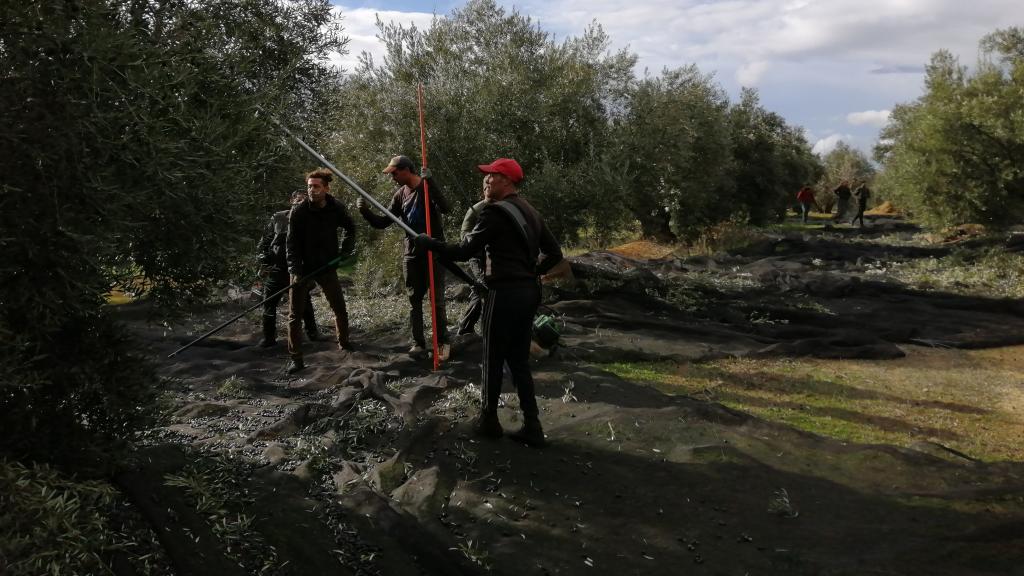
<point>545,331</point>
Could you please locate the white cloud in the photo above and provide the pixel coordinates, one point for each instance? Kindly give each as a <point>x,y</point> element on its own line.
<point>877,33</point>
<point>361,28</point>
<point>812,60</point>
<point>876,118</point>
<point>750,74</point>
<point>827,144</point>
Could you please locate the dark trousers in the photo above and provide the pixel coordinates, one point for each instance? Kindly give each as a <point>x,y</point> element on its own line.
<point>417,285</point>
<point>859,215</point>
<point>277,280</point>
<point>328,282</point>
<point>507,327</point>
<point>842,205</point>
<point>467,323</point>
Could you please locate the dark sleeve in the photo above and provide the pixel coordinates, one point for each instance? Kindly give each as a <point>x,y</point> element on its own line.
<point>263,249</point>
<point>550,251</point>
<point>487,227</point>
<point>437,196</point>
<point>379,220</point>
<point>348,243</point>
<point>293,244</point>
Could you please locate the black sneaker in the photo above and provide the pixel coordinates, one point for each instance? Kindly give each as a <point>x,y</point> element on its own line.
<point>488,425</point>
<point>295,366</point>
<point>265,343</point>
<point>314,336</point>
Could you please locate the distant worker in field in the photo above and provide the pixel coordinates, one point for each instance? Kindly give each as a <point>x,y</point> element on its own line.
<point>518,248</point>
<point>806,199</point>
<point>842,193</point>
<point>408,204</point>
<point>467,324</point>
<point>312,243</point>
<point>862,194</point>
<point>272,256</point>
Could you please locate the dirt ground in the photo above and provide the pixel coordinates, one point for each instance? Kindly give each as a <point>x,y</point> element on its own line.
<point>365,463</point>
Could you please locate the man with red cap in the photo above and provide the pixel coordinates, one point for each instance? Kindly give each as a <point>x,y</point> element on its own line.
<point>517,248</point>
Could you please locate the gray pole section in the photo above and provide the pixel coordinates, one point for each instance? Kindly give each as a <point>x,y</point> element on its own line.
<point>346,179</point>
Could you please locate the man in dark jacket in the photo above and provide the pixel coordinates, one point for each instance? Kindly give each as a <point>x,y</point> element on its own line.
<point>408,205</point>
<point>275,263</point>
<point>842,193</point>
<point>518,247</point>
<point>312,243</point>
<point>467,324</point>
<point>861,195</point>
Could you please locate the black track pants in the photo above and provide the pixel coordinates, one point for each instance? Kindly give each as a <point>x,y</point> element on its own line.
<point>507,325</point>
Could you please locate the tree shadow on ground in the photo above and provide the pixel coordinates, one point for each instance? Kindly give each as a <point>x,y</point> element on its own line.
<point>577,507</point>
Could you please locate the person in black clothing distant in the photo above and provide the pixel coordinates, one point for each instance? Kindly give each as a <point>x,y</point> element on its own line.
<point>313,242</point>
<point>842,193</point>
<point>467,324</point>
<point>518,247</point>
<point>272,256</point>
<point>861,194</point>
<point>407,204</point>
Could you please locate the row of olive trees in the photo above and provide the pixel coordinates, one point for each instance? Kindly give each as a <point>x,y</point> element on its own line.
<point>602,149</point>
<point>130,148</point>
<point>956,154</point>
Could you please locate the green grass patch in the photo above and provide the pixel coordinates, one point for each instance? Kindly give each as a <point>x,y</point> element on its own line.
<point>233,387</point>
<point>992,273</point>
<point>956,398</point>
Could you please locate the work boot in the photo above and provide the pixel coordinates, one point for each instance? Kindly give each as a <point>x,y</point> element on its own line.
<point>417,351</point>
<point>531,433</point>
<point>296,365</point>
<point>488,425</point>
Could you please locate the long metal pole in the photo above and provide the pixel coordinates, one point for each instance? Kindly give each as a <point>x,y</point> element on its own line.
<point>451,266</point>
<point>255,306</point>
<point>426,201</point>
<point>373,201</point>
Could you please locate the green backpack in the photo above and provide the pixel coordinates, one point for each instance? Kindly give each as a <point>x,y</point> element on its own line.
<point>545,331</point>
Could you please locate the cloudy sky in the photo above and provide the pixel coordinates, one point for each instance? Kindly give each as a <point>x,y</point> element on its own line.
<point>834,67</point>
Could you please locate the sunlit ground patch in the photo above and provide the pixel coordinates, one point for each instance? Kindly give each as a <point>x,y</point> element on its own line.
<point>969,400</point>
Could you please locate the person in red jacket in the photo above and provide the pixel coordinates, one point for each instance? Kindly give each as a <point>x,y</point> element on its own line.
<point>806,199</point>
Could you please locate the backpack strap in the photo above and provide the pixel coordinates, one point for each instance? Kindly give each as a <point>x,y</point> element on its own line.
<point>517,215</point>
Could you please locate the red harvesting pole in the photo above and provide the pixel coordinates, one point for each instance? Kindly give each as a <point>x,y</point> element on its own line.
<point>426,202</point>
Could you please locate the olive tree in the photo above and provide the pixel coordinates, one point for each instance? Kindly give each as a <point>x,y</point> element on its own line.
<point>954,155</point>
<point>131,149</point>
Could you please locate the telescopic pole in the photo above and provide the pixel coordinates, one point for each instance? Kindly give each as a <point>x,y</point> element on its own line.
<point>426,202</point>
<point>459,272</point>
<point>373,201</point>
<point>257,305</point>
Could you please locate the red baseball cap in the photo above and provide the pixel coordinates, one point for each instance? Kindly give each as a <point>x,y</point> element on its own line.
<point>507,167</point>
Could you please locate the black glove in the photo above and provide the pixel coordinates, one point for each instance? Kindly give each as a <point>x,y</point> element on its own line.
<point>424,242</point>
